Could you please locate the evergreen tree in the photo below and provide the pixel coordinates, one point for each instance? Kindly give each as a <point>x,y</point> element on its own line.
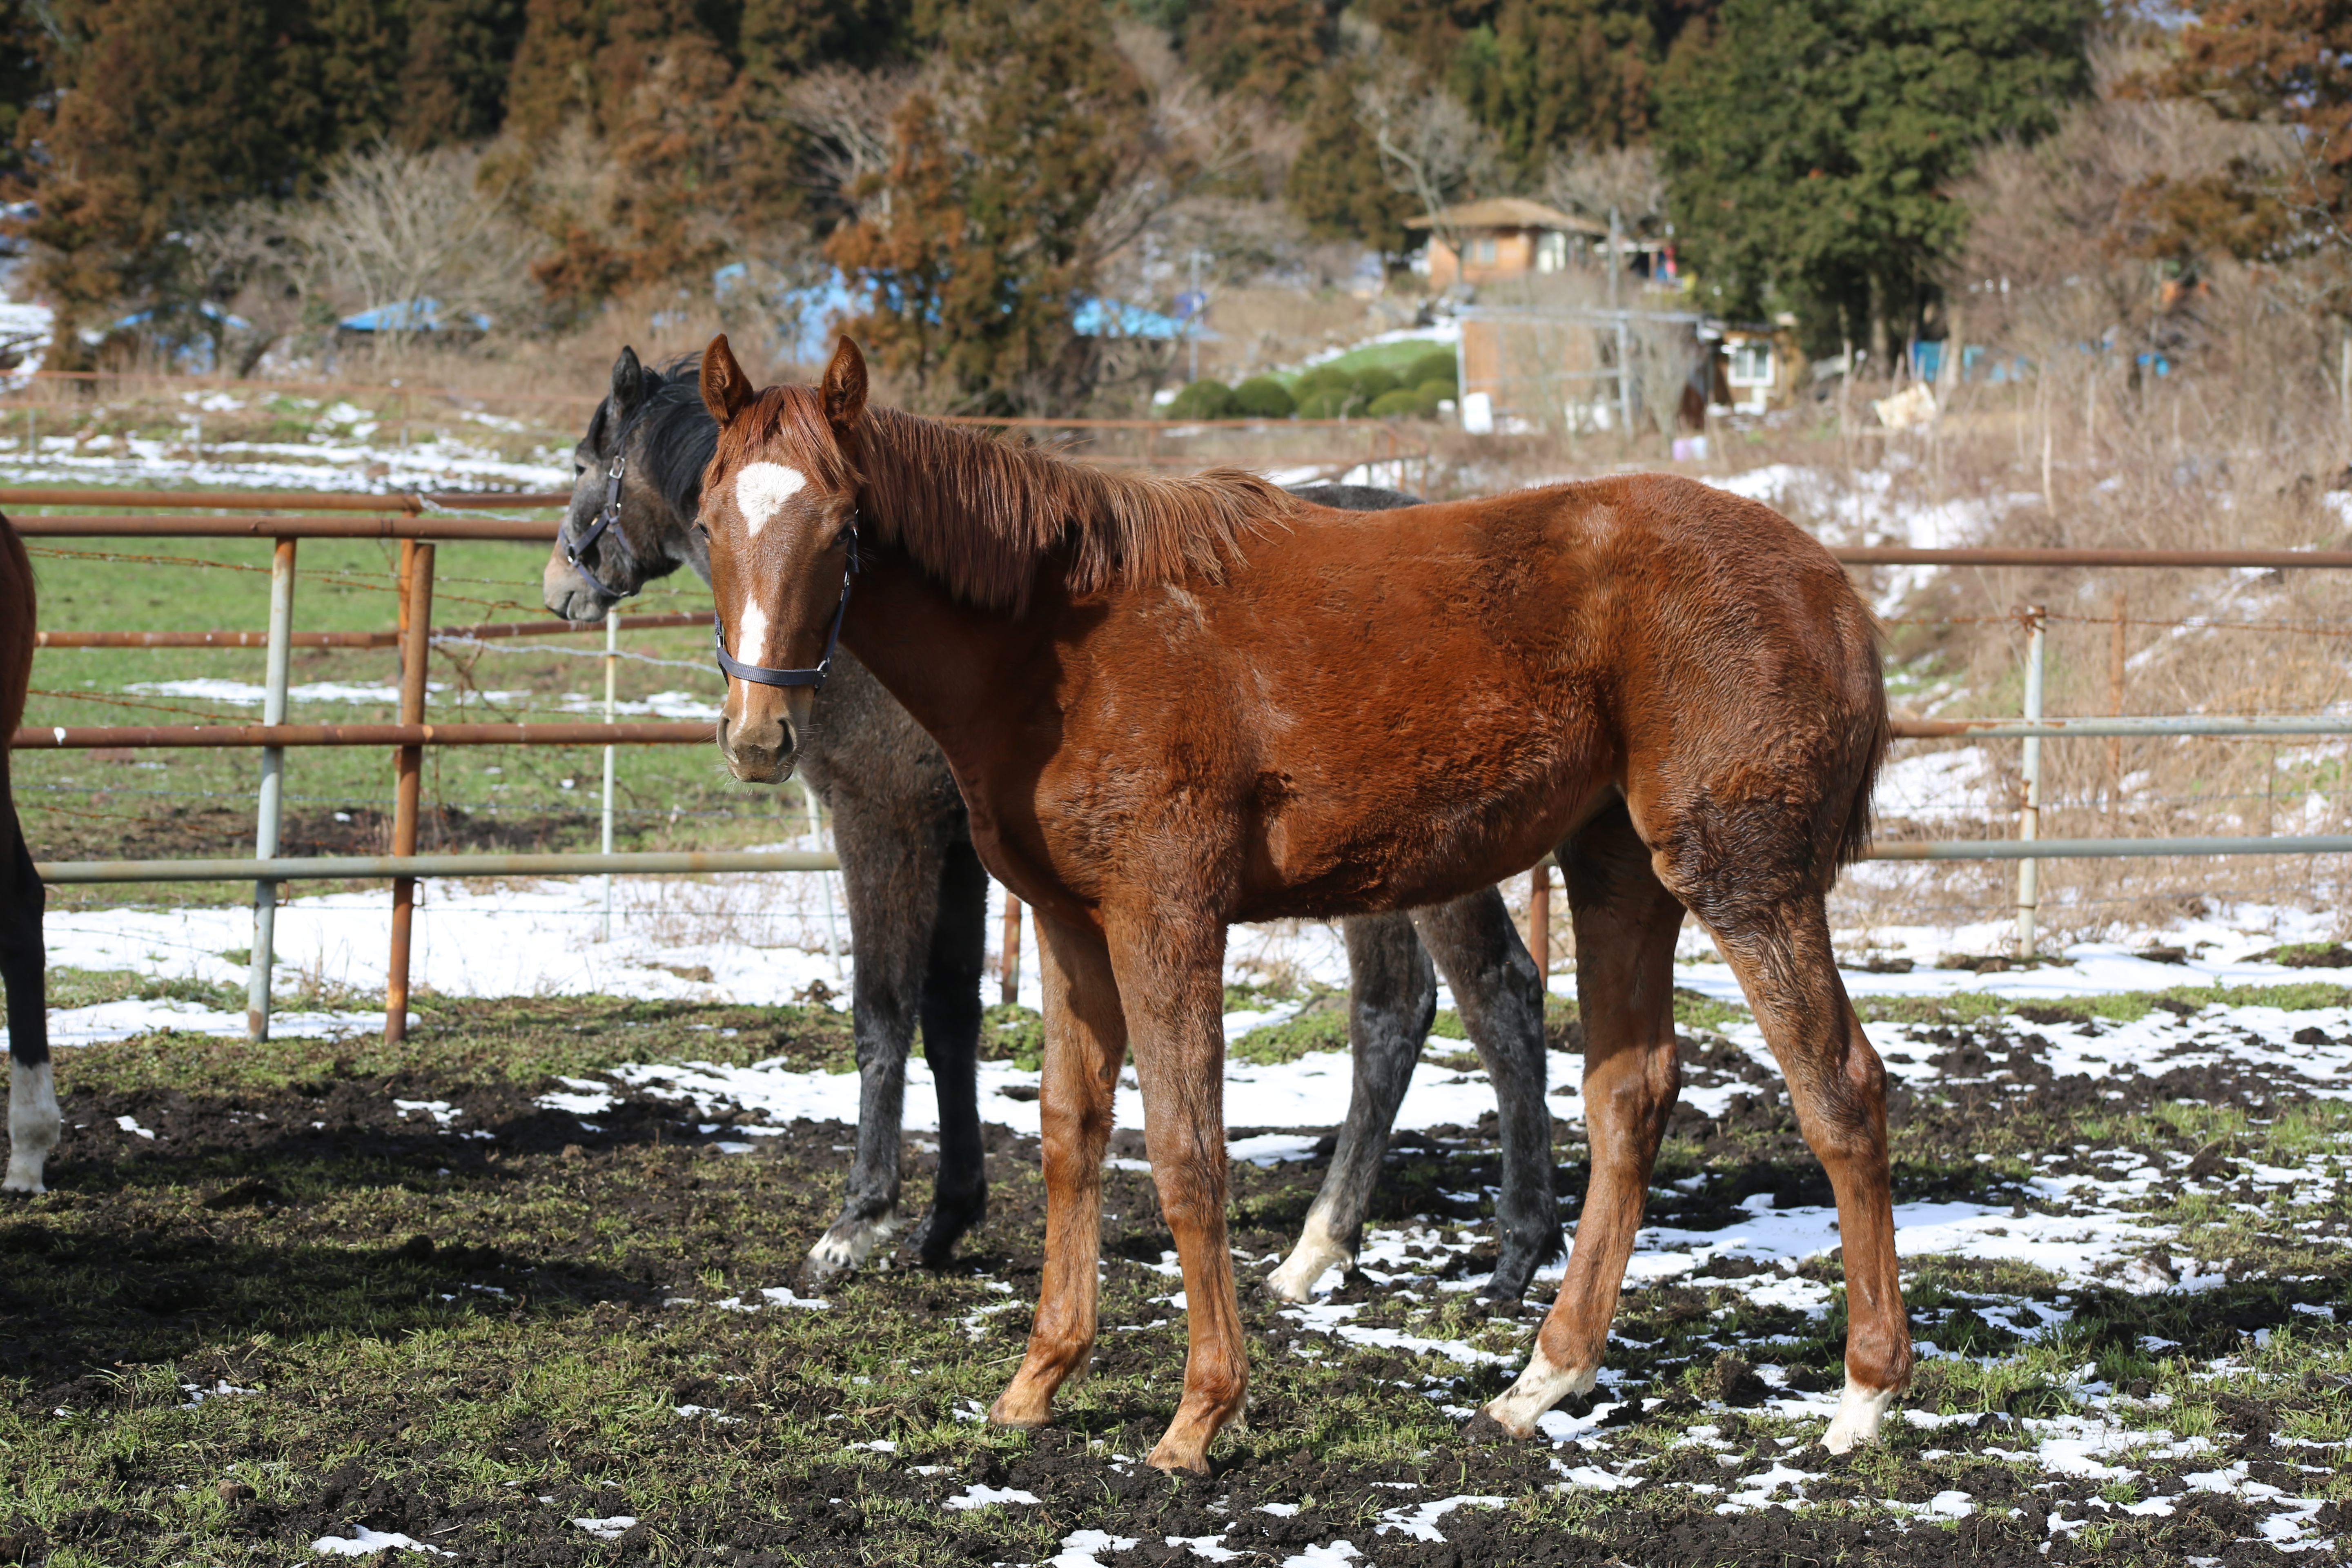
<point>1336,182</point>
<point>987,246</point>
<point>453,84</point>
<point>1546,75</point>
<point>24,74</point>
<point>167,108</point>
<point>554,76</point>
<point>1810,143</point>
<point>2282,62</point>
<point>1265,48</point>
<point>783,38</point>
<point>354,54</point>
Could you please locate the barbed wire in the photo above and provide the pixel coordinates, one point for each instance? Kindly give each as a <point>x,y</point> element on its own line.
<point>125,702</point>
<point>502,645</point>
<point>485,807</point>
<point>2187,623</point>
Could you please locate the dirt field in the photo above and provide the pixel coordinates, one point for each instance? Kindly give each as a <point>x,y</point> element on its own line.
<point>508,1294</point>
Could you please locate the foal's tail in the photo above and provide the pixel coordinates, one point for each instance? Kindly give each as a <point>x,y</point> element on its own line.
<point>1876,732</point>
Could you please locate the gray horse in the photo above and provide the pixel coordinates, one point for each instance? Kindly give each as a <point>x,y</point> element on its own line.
<point>917,900</point>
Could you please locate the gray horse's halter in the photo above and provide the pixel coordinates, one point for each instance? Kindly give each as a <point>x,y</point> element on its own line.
<point>730,665</point>
<point>574,548</point>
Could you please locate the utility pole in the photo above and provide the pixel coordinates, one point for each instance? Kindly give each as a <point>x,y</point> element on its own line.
<point>1193,324</point>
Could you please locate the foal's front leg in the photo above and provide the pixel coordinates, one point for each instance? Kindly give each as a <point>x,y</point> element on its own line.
<point>1086,1040</point>
<point>1172,976</point>
<point>890,875</point>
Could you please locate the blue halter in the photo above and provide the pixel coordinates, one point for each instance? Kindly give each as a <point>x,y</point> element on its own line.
<point>735,667</point>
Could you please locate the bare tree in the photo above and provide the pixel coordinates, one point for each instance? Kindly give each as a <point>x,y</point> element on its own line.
<point>1430,145</point>
<point>849,113</point>
<point>391,227</point>
<point>243,260</point>
<point>1594,182</point>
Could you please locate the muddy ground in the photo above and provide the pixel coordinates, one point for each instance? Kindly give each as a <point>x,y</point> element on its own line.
<point>310,1291</point>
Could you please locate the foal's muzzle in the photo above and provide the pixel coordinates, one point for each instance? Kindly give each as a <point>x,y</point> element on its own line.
<point>759,750</point>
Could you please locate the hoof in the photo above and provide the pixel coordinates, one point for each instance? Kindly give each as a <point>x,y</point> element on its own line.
<point>1483,1428</point>
<point>1518,1408</point>
<point>33,1127</point>
<point>1179,1462</point>
<point>933,1242</point>
<point>1316,1254</point>
<point>1515,1270</point>
<point>1856,1421</point>
<point>843,1247</point>
<point>999,1417</point>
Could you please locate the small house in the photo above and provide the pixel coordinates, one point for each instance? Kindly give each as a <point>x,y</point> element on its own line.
<point>1758,369</point>
<point>1506,237</point>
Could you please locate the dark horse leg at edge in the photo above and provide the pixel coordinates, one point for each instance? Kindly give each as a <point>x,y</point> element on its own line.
<point>917,899</point>
<point>1173,705</point>
<point>33,1122</point>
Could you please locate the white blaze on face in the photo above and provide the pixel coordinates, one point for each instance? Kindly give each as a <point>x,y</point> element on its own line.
<point>760,491</point>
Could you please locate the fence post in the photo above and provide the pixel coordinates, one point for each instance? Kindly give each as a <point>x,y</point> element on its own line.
<point>269,801</point>
<point>416,644</point>
<point>816,833</point>
<point>2029,820</point>
<point>1008,963</point>
<point>2115,670</point>
<point>1540,925</point>
<point>1624,371</point>
<point>612,666</point>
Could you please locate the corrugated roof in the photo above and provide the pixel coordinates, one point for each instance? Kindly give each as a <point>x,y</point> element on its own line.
<point>1508,212</point>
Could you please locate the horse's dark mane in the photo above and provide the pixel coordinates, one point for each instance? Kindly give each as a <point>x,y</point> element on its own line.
<point>675,434</point>
<point>983,514</point>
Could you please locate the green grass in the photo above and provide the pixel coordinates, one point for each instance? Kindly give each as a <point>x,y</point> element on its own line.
<point>338,1276</point>
<point>2121,1007</point>
<point>177,803</point>
<point>1375,356</point>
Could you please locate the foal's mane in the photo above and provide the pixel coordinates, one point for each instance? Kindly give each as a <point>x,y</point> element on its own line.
<point>984,515</point>
<point>673,432</point>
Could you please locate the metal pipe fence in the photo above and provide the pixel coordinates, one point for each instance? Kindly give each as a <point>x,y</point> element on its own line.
<point>419,521</point>
<point>368,868</point>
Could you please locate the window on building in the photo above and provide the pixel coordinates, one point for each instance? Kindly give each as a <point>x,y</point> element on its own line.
<point>1482,251</point>
<point>1751,364</point>
<point>1551,251</point>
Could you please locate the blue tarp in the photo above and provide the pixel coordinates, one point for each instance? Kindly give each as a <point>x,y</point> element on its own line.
<point>806,318</point>
<point>422,314</point>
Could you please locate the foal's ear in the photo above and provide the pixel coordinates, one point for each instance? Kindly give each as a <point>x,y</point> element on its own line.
<point>725,390</point>
<point>842,391</point>
<point>629,383</point>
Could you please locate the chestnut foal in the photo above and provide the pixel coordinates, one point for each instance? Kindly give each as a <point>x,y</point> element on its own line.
<point>1172,704</point>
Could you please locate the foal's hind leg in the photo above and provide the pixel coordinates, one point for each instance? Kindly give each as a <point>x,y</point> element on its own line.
<point>952,1047</point>
<point>33,1121</point>
<point>1625,927</point>
<point>891,877</point>
<point>1391,1001</point>
<point>1838,1085</point>
<point>1500,996</point>
<point>1085,1041</point>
